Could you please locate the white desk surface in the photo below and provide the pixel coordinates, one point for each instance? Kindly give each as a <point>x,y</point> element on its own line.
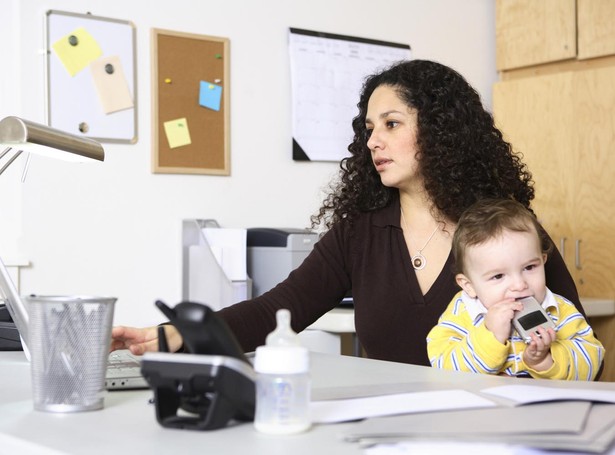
<point>127,424</point>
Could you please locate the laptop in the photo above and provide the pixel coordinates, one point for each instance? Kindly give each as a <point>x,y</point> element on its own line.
<point>123,368</point>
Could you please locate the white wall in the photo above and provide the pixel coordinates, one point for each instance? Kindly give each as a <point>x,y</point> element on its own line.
<point>115,228</point>
<point>10,195</point>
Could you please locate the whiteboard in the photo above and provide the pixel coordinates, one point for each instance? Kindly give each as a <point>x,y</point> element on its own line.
<point>73,102</point>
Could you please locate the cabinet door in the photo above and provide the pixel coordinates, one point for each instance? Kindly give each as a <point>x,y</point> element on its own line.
<point>535,115</point>
<point>596,28</point>
<point>594,192</point>
<point>531,32</point>
<point>564,125</point>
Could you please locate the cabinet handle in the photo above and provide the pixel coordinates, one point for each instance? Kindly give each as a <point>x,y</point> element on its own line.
<point>577,254</point>
<point>562,247</point>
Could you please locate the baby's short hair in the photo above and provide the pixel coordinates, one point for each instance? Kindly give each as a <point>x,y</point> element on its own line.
<point>488,218</point>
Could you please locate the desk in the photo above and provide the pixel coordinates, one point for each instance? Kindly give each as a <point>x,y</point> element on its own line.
<point>127,424</point>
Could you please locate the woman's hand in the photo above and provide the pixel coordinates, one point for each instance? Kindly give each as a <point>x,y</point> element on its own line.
<point>141,340</point>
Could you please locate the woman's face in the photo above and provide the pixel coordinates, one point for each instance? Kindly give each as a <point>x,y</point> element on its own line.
<point>392,141</point>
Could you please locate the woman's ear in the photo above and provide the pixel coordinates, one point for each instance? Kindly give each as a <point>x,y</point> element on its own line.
<point>465,284</point>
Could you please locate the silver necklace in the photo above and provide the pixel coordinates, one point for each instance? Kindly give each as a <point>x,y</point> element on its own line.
<point>418,260</point>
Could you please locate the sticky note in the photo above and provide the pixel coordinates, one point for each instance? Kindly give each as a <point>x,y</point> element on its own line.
<point>209,95</point>
<point>77,50</point>
<point>111,84</point>
<point>177,132</point>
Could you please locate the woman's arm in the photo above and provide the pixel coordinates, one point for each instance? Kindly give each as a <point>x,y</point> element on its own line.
<point>314,288</point>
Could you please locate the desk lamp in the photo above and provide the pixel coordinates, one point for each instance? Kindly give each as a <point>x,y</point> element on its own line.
<point>23,135</point>
<point>43,140</point>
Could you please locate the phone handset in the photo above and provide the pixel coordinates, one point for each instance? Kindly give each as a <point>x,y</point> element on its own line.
<point>202,330</point>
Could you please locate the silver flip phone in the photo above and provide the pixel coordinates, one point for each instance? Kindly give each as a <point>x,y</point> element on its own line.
<point>532,316</point>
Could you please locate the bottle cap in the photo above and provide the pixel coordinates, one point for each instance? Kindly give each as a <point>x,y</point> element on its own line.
<point>282,353</point>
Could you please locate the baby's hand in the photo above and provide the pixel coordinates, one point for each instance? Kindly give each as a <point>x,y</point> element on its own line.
<point>499,316</point>
<point>537,355</point>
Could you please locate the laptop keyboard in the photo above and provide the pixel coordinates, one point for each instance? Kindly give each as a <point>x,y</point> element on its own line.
<point>122,362</point>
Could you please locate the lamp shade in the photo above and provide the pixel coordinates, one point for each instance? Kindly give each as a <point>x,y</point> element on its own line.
<point>44,140</point>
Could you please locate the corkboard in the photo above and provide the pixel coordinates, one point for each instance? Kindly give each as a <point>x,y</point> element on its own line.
<point>181,62</point>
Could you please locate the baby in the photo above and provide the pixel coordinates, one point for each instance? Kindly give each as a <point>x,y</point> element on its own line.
<point>500,252</point>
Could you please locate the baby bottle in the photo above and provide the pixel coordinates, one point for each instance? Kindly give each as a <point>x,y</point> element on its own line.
<point>282,381</point>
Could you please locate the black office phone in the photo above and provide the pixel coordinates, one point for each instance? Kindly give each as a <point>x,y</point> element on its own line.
<point>212,382</point>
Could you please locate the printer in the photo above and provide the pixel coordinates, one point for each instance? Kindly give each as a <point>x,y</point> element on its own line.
<point>272,253</point>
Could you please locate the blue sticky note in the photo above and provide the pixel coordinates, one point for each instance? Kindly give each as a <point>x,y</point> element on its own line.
<point>209,95</point>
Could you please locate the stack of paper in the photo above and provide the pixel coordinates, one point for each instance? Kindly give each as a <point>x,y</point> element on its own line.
<point>542,417</point>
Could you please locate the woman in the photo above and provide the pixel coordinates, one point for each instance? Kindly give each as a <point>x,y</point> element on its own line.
<point>424,150</point>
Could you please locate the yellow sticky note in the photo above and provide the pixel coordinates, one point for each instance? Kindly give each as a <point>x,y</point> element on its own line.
<point>77,50</point>
<point>177,132</point>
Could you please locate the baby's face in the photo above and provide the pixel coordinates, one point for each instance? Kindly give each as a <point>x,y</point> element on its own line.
<point>508,266</point>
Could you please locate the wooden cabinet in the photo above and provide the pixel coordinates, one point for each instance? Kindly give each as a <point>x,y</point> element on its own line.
<point>564,125</point>
<point>556,105</point>
<point>596,28</point>
<point>536,32</point>
<point>533,121</point>
<point>531,32</point>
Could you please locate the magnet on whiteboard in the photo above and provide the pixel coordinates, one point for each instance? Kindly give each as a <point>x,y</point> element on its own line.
<point>73,40</point>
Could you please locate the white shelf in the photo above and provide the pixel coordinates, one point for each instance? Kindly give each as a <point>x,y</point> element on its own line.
<point>338,320</point>
<point>598,307</point>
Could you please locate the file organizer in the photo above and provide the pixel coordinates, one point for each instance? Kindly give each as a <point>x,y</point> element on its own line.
<point>203,279</point>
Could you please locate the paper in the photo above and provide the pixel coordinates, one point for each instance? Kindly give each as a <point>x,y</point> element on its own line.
<point>177,132</point>
<point>229,248</point>
<point>77,50</point>
<point>372,390</point>
<point>441,448</point>
<point>111,84</point>
<point>498,425</point>
<point>477,423</point>
<point>209,95</point>
<point>524,394</point>
<point>360,408</point>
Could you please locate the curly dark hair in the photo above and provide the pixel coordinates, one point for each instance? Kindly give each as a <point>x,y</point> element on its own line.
<point>461,154</point>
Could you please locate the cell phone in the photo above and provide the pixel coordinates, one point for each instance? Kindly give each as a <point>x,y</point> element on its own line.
<point>532,316</point>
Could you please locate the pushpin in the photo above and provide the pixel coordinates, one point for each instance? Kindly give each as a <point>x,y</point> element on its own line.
<point>84,127</point>
<point>217,81</point>
<point>167,80</point>
<point>211,87</point>
<point>218,56</point>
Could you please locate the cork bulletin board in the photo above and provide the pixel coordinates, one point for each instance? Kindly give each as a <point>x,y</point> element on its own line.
<point>190,83</point>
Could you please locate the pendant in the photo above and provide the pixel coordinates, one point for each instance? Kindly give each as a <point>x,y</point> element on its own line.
<point>418,261</point>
